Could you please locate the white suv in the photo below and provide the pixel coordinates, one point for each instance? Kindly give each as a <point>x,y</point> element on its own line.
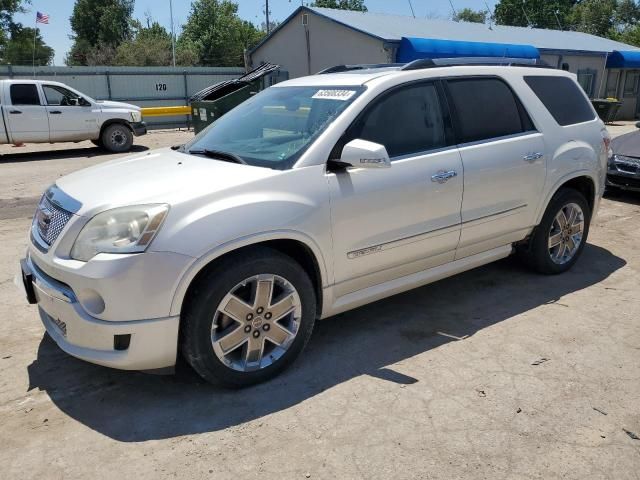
<point>318,195</point>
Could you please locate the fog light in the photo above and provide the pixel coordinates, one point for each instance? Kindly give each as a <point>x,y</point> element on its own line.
<point>121,342</point>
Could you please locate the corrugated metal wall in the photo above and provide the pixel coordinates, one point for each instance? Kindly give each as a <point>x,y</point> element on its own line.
<point>143,86</point>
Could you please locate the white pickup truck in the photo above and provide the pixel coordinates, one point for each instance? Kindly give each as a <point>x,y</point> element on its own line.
<point>39,111</point>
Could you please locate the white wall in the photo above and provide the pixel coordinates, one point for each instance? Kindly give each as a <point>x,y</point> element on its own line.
<point>329,44</point>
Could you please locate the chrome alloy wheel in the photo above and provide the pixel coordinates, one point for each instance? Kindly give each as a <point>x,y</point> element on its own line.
<point>256,322</point>
<point>565,235</point>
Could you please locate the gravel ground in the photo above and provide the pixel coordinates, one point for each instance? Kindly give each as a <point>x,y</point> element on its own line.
<point>497,373</point>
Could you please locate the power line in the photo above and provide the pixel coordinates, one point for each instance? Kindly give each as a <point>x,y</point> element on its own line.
<point>412,10</point>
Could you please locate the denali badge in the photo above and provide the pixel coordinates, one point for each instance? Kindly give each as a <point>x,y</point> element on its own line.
<point>364,251</point>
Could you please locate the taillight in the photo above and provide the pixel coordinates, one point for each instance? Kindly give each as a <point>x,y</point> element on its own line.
<point>606,139</point>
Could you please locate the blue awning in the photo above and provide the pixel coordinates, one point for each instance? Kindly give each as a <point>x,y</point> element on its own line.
<point>624,59</point>
<point>417,48</point>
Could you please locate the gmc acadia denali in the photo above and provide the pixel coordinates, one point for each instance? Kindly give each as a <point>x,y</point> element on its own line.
<point>314,197</point>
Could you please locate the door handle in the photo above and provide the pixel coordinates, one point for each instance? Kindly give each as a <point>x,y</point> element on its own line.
<point>443,177</point>
<point>14,111</point>
<point>55,112</point>
<point>532,157</point>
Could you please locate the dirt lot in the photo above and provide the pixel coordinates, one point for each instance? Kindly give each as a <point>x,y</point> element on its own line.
<point>497,373</point>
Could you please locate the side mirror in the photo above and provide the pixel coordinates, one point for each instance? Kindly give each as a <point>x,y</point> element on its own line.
<point>364,154</point>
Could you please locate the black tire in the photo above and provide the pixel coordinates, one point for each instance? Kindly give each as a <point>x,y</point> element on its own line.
<point>117,138</point>
<point>208,293</point>
<point>97,143</point>
<point>536,254</point>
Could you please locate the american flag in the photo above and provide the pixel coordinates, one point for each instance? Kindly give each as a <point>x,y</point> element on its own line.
<point>42,17</point>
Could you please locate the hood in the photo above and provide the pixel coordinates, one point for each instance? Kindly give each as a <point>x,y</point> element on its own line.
<point>110,104</point>
<point>158,176</point>
<point>627,145</point>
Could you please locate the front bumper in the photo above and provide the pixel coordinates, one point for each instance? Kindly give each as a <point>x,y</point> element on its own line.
<point>128,345</point>
<point>625,182</point>
<point>139,128</point>
<point>624,173</point>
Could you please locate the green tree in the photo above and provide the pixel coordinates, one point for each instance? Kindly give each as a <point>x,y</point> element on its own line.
<point>99,27</point>
<point>8,8</point>
<point>341,4</point>
<point>469,15</point>
<point>534,13</point>
<point>594,16</point>
<point>217,34</point>
<point>150,46</point>
<point>19,48</point>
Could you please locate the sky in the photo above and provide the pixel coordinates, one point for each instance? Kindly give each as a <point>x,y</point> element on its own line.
<point>56,33</point>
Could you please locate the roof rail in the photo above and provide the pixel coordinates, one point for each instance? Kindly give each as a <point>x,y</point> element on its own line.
<point>460,61</point>
<point>423,63</point>
<point>363,66</point>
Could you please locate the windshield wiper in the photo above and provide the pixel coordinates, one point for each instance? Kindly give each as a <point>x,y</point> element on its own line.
<point>218,155</point>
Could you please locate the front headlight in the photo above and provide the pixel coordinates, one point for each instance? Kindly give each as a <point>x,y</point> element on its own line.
<point>627,160</point>
<point>136,117</point>
<point>121,230</point>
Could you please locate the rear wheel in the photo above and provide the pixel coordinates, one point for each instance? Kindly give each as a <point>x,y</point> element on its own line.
<point>117,138</point>
<point>558,241</point>
<point>248,318</point>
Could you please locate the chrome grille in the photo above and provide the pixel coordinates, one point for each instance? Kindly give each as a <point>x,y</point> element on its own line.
<point>50,220</point>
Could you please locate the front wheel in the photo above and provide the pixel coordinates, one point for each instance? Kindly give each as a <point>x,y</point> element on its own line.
<point>248,318</point>
<point>558,241</point>
<point>117,138</point>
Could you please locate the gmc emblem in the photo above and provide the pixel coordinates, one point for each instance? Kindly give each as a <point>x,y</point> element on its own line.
<point>43,217</point>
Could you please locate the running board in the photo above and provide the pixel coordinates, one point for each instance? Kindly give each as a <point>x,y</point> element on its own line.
<point>402,284</point>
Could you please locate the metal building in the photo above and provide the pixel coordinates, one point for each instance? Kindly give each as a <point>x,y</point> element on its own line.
<point>312,39</point>
<point>142,86</point>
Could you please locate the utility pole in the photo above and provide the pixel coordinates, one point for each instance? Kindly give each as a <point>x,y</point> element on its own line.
<point>267,15</point>
<point>173,34</point>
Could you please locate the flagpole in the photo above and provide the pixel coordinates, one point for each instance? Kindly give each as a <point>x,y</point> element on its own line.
<point>33,58</point>
<point>173,34</point>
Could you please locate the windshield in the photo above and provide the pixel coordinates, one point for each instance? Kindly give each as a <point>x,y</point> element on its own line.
<point>274,128</point>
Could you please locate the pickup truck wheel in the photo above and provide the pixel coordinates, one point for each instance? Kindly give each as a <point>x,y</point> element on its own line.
<point>117,138</point>
<point>558,241</point>
<point>248,318</point>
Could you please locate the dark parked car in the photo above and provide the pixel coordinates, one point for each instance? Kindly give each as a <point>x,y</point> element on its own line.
<point>624,165</point>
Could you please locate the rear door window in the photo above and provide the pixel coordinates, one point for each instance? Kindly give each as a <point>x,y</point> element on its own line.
<point>24,94</point>
<point>486,108</point>
<point>406,121</point>
<point>563,98</point>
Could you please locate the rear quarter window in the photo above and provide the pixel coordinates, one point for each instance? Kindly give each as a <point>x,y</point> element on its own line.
<point>563,98</point>
<point>24,94</point>
<point>486,108</point>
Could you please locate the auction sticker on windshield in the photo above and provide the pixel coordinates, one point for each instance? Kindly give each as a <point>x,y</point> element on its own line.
<point>343,95</point>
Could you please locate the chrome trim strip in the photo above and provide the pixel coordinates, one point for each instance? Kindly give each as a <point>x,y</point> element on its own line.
<point>50,286</point>
<point>485,217</point>
<point>422,236</point>
<point>37,241</point>
<point>498,139</point>
<point>400,242</point>
<point>62,200</point>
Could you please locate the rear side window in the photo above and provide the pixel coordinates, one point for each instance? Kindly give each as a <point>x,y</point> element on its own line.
<point>563,98</point>
<point>406,121</point>
<point>24,94</point>
<point>486,108</point>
